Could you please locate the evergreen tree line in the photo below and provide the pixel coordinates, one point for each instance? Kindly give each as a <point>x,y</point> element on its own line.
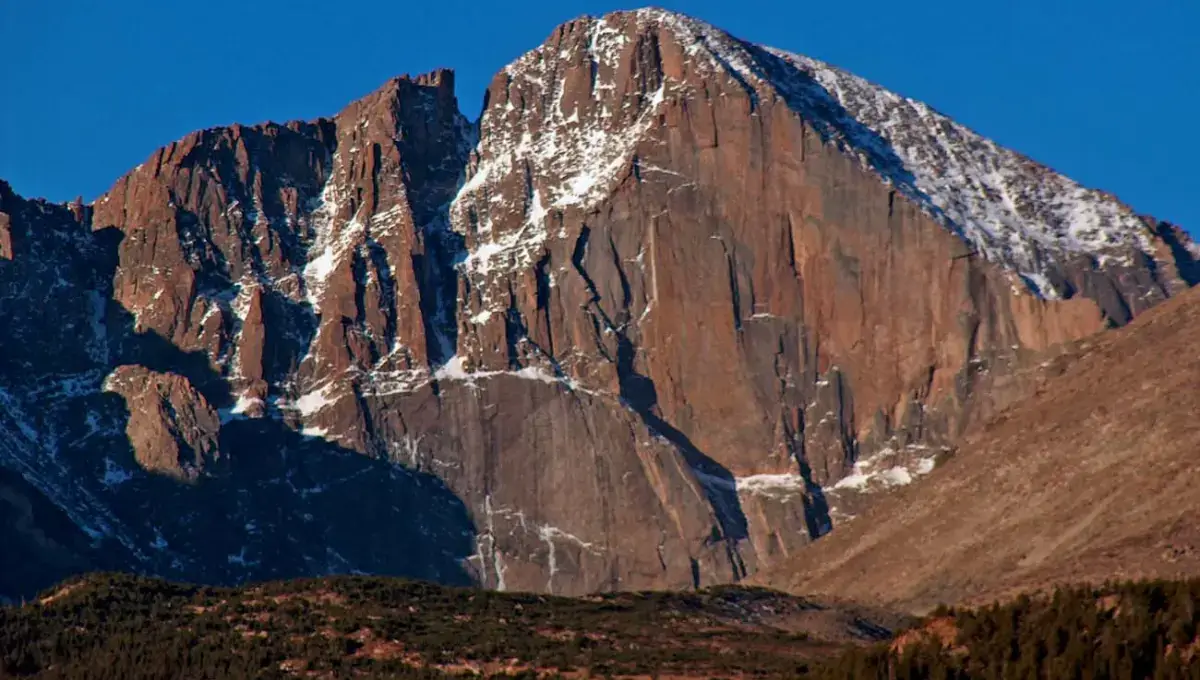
<point>124,627</point>
<point>1122,631</point>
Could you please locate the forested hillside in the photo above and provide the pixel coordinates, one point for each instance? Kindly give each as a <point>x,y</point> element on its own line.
<point>127,628</point>
<point>1129,630</point>
<point>112,626</point>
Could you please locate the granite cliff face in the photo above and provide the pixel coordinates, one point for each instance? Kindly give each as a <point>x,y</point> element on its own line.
<point>659,318</point>
<point>1090,478</point>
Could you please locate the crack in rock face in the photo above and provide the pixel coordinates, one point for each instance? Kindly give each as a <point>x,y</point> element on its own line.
<point>676,306</point>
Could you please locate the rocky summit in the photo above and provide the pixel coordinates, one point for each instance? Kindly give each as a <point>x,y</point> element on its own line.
<point>670,309</point>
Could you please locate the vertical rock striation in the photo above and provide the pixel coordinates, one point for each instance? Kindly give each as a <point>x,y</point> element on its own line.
<point>656,319</point>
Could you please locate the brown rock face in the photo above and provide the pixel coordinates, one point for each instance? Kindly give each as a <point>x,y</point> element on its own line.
<point>261,227</point>
<point>172,428</point>
<point>648,323</point>
<point>695,245</point>
<point>6,246</point>
<point>1091,478</point>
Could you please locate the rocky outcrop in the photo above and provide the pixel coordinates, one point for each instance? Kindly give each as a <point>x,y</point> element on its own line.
<point>6,250</point>
<point>653,321</point>
<point>172,428</point>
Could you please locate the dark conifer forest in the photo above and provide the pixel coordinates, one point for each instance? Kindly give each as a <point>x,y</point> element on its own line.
<point>1121,631</point>
<point>125,627</point>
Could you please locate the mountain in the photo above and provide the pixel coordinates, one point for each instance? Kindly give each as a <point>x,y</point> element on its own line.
<point>1092,477</point>
<point>674,307</point>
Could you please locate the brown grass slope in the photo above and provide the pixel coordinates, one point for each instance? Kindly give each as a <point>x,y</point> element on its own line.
<point>1095,476</point>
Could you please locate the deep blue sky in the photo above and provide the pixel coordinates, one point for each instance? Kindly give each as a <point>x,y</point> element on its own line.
<point>1107,92</point>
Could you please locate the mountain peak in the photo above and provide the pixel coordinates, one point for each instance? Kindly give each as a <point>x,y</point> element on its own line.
<point>1005,207</point>
<point>666,314</point>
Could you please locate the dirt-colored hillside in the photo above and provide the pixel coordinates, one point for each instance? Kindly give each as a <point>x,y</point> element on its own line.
<point>1096,476</point>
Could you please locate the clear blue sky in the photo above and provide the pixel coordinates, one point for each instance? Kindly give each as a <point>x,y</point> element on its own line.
<point>1107,92</point>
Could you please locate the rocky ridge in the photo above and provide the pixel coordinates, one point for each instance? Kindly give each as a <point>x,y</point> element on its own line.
<point>656,320</point>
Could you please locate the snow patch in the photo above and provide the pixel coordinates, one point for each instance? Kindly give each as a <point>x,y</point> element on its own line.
<point>1011,210</point>
<point>159,543</point>
<point>240,560</point>
<point>384,383</point>
<point>240,409</point>
<point>12,405</point>
<point>114,475</point>
<point>570,160</point>
<point>482,317</point>
<point>883,470</point>
<point>780,486</point>
<point>491,553</point>
<point>97,346</point>
<point>925,466</point>
<point>245,403</point>
<point>312,402</point>
<point>551,536</point>
<point>331,244</point>
<point>455,369</point>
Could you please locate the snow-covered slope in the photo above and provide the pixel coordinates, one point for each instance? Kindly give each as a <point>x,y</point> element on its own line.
<point>571,152</point>
<point>1012,210</point>
<point>1008,208</point>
